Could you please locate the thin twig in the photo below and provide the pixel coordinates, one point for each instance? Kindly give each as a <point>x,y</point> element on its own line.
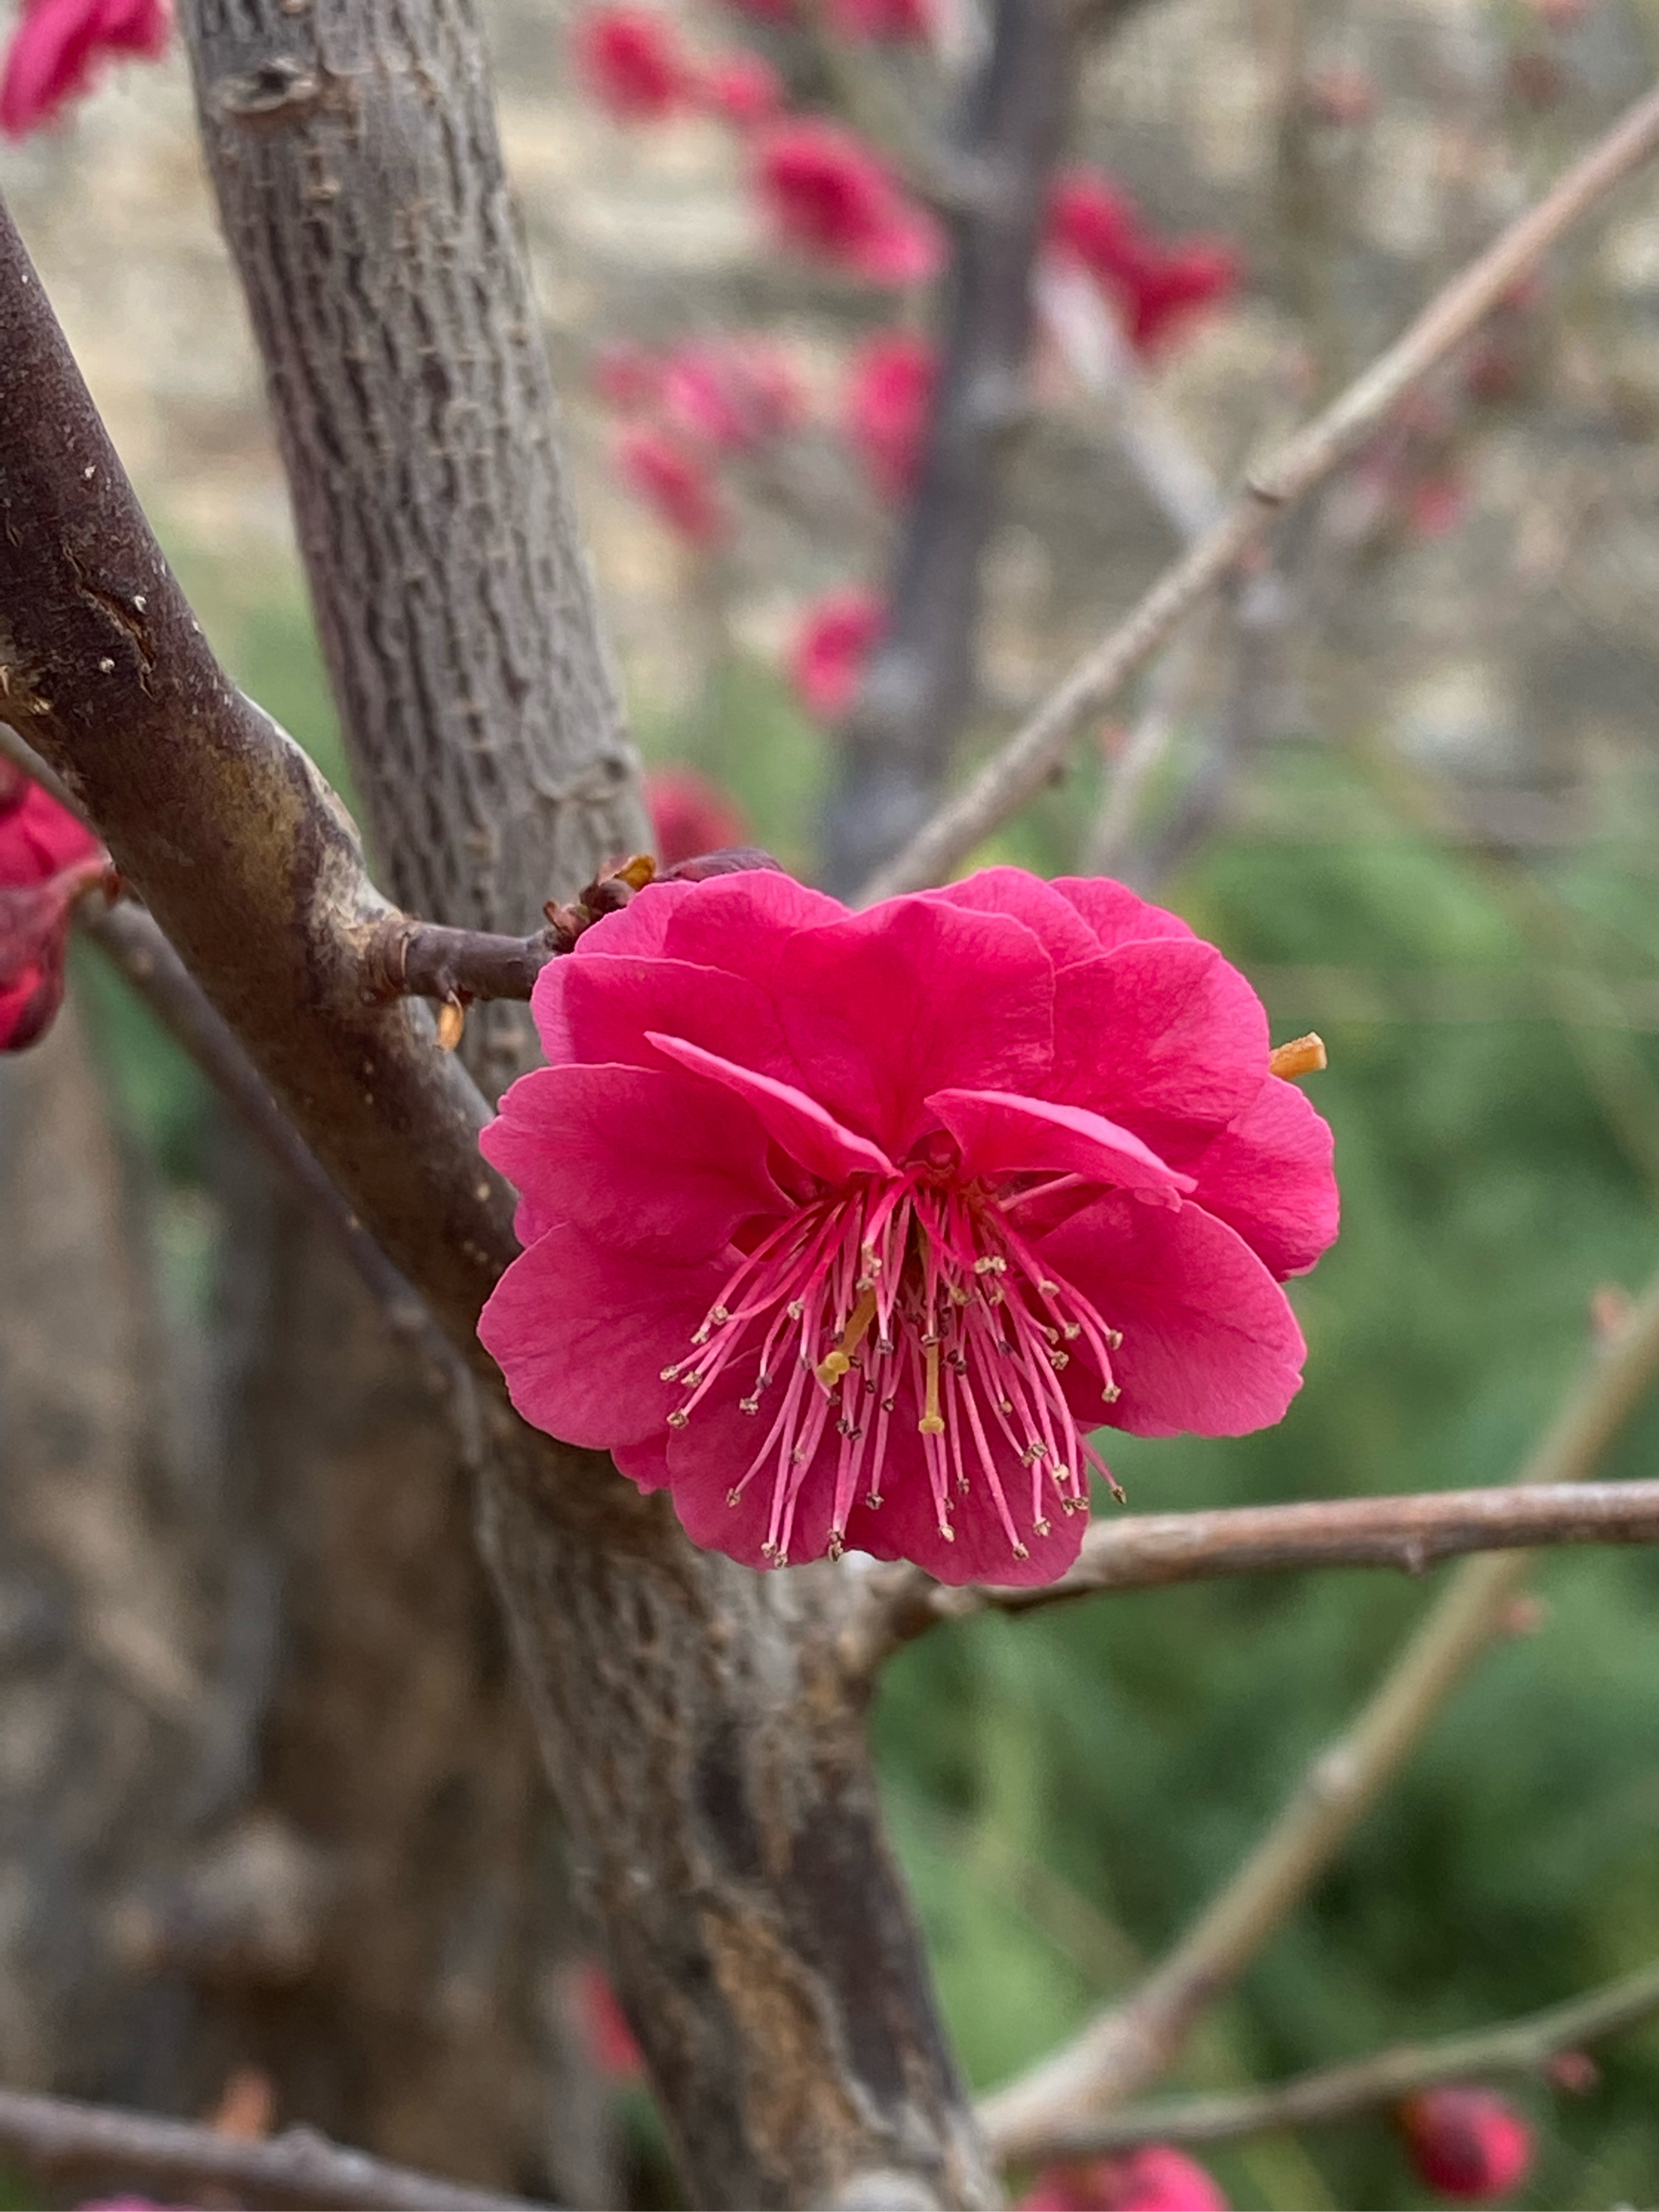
<point>1130,2043</point>
<point>1022,766</point>
<point>134,944</point>
<point>62,2139</point>
<point>1360,2085</point>
<point>1413,1533</point>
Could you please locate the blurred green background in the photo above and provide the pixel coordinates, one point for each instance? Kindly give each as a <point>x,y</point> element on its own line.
<point>1067,1789</point>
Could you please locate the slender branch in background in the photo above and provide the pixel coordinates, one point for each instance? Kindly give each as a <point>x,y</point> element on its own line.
<point>63,2140</point>
<point>1360,2085</point>
<point>1412,1533</point>
<point>134,947</point>
<point>1032,756</point>
<point>896,746</point>
<point>1132,2042</point>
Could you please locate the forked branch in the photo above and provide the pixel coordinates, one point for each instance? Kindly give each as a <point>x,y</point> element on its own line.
<point>1130,2043</point>
<point>1361,2085</point>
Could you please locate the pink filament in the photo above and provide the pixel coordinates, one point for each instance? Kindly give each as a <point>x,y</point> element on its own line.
<point>917,1279</point>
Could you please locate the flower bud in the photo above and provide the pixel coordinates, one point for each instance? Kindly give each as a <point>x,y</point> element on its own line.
<point>1468,2142</point>
<point>1156,2177</point>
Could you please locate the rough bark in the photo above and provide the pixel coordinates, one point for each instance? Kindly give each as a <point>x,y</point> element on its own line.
<point>897,748</point>
<point>704,1740</point>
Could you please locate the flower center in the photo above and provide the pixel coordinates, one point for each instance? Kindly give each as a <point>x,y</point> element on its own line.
<point>916,1288</point>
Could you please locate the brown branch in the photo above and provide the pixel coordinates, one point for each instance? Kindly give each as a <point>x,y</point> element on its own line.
<point>1360,2085</point>
<point>1131,2043</point>
<point>1413,1533</point>
<point>1016,772</point>
<point>130,940</point>
<point>63,2140</point>
<point>920,687</point>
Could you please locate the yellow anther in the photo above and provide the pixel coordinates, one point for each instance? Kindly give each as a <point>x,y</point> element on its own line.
<point>1303,1055</point>
<point>834,1365</point>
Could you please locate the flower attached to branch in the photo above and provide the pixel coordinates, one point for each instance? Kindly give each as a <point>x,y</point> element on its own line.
<point>890,393</point>
<point>47,861</point>
<point>630,61</point>
<point>1156,2177</point>
<point>57,46</point>
<point>848,1229</point>
<point>834,642</point>
<point>829,194</point>
<point>1468,2142</point>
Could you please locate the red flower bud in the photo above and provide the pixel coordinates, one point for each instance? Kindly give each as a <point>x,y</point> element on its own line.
<point>691,816</point>
<point>1156,2177</point>
<point>888,395</point>
<point>674,481</point>
<point>57,46</point>
<point>46,862</point>
<point>1469,2143</point>
<point>629,61</point>
<point>827,665</point>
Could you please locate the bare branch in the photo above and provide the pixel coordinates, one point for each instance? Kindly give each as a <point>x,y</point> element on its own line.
<point>1412,1533</point>
<point>1130,2043</point>
<point>63,2140</point>
<point>1032,755</point>
<point>1335,2092</point>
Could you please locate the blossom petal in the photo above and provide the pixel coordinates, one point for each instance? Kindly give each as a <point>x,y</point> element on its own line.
<point>913,996</point>
<point>1210,1343</point>
<point>1053,919</point>
<point>635,931</point>
<point>603,1010</point>
<point>582,1332</point>
<point>741,922</point>
<point>1166,1037</point>
<point>906,1527</point>
<point>642,1158</point>
<point>1001,1134</point>
<point>1269,1177</point>
<point>707,1460</point>
<point>1116,915</point>
<point>798,1123</point>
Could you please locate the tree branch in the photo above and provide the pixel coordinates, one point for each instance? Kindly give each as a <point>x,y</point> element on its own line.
<point>1132,2042</point>
<point>1335,2092</point>
<point>896,746</point>
<point>1020,768</point>
<point>64,2140</point>
<point>1412,1533</point>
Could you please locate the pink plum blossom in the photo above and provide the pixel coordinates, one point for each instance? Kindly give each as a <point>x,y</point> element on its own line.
<point>888,395</point>
<point>848,1229</point>
<point>836,634</point>
<point>630,61</point>
<point>1470,2143</point>
<point>731,397</point>
<point>47,860</point>
<point>673,479</point>
<point>1156,2177</point>
<point>1157,286</point>
<point>690,816</point>
<point>56,48</point>
<point>829,194</point>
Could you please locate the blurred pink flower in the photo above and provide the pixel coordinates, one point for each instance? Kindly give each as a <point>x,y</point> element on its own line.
<point>833,644</point>
<point>47,860</point>
<point>765,11</point>
<point>732,397</point>
<point>742,88</point>
<point>669,476</point>
<point>840,1262</point>
<point>888,395</point>
<point>1469,2143</point>
<point>690,814</point>
<point>890,21</point>
<point>57,47</point>
<point>829,194</point>
<point>1157,2177</point>
<point>1158,286</point>
<point>629,59</point>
